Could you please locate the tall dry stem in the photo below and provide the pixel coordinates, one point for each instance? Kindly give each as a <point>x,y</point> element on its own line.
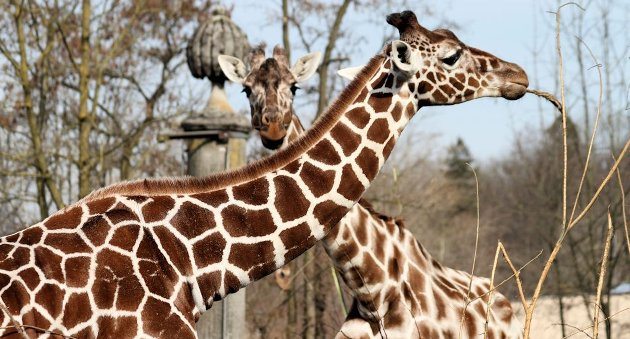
<point>602,276</point>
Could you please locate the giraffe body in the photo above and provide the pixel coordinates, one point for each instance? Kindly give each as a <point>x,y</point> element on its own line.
<point>158,252</point>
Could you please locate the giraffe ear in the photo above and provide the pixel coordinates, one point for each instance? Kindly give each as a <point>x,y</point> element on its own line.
<point>403,57</point>
<point>350,72</point>
<point>306,66</point>
<point>233,68</point>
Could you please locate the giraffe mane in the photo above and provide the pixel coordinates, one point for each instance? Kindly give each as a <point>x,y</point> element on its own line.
<point>368,207</point>
<point>193,185</point>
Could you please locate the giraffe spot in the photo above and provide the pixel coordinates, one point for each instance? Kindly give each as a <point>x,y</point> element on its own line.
<point>50,297</point>
<point>380,101</point>
<point>192,220</point>
<point>12,238</point>
<point>358,116</point>
<point>346,251</point>
<point>348,140</point>
<point>68,218</point>
<point>159,321</point>
<point>440,305</point>
<point>125,237</point>
<point>96,229</point>
<point>213,199</point>
<point>439,97</point>
<point>450,91</point>
<point>240,222</point>
<point>100,206</point>
<point>469,93</point>
<point>389,146</point>
<point>174,250</point>
<point>231,283</point>
<point>15,297</point>
<point>118,327</point>
<point>427,331</point>
<point>324,152</point>
<point>120,213</point>
<point>473,82</point>
<point>31,236</point>
<point>49,263</point>
<point>209,284</point>
<point>457,84</point>
<point>362,95</point>
<point>379,131</point>
<point>368,162</point>
<point>158,208</point>
<point>209,250</point>
<point>12,257</point>
<point>296,240</point>
<point>115,275</point>
<point>379,81</point>
<point>362,232</point>
<point>255,192</point>
<point>471,327</point>
<point>84,333</point>
<point>329,213</point>
<point>185,303</point>
<point>292,167</point>
<point>138,198</point>
<point>289,201</point>
<point>372,273</point>
<point>77,310</point>
<point>431,77</point>
<point>67,242</point>
<point>425,87</point>
<point>30,278</point>
<point>390,81</point>
<point>318,181</point>
<point>38,320</point>
<point>397,111</point>
<point>350,186</point>
<point>77,271</point>
<point>408,294</point>
<point>412,87</point>
<point>393,267</point>
<point>416,279</point>
<point>248,256</point>
<point>461,77</point>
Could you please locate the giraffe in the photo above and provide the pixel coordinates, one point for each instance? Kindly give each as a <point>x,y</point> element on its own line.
<point>408,293</point>
<point>144,258</point>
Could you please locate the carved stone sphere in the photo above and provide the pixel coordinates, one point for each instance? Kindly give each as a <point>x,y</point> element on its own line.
<point>218,35</point>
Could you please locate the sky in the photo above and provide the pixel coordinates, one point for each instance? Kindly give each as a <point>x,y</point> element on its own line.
<point>509,29</point>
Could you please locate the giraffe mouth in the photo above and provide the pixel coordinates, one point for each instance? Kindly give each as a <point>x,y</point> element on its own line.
<point>271,143</point>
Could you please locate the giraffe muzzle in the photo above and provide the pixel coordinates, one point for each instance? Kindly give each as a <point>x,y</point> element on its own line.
<point>516,82</point>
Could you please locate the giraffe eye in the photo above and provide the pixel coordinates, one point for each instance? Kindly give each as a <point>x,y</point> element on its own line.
<point>294,88</point>
<point>453,58</point>
<point>247,90</point>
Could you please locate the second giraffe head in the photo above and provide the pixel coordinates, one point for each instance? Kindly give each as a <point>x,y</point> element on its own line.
<point>270,85</point>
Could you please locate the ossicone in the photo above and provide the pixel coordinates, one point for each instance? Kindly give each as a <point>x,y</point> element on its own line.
<point>403,21</point>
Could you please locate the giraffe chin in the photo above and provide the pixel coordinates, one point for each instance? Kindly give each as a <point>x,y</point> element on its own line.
<point>512,91</point>
<point>271,143</point>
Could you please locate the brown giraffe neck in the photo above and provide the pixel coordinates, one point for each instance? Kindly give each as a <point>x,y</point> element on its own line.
<point>238,226</point>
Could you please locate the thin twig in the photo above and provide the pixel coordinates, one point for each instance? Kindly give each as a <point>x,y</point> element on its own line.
<point>602,276</point>
<point>17,325</point>
<point>623,209</point>
<point>472,270</point>
<point>590,145</point>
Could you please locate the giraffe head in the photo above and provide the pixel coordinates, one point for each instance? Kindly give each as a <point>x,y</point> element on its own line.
<point>436,68</point>
<point>270,86</point>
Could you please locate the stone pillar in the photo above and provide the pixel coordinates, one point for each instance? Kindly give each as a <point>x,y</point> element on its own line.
<point>217,141</point>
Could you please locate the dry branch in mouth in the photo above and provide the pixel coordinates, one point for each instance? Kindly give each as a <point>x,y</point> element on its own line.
<point>548,96</point>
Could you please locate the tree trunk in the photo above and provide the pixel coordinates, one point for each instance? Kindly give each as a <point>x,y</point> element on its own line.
<point>308,322</point>
<point>84,118</point>
<point>322,102</point>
